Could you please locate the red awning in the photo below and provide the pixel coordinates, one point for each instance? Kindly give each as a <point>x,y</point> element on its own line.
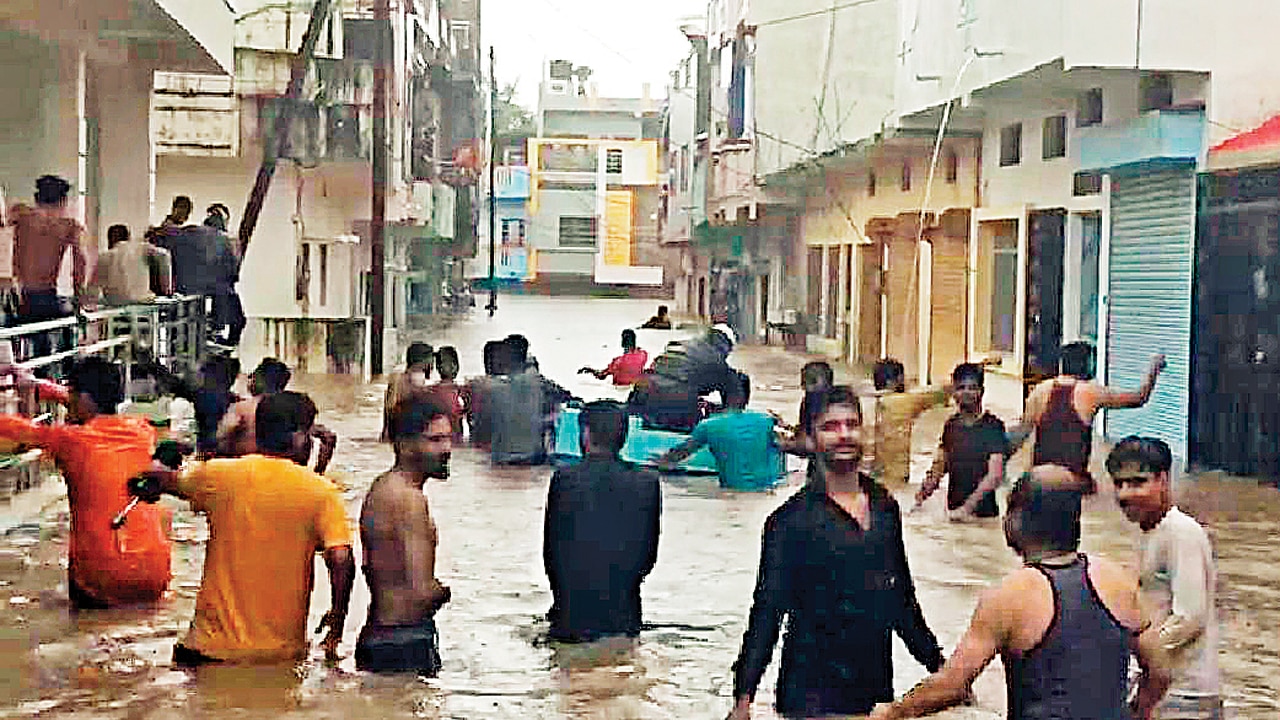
<point>1260,146</point>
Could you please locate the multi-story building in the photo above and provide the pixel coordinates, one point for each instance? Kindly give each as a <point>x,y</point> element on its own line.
<point>211,132</point>
<point>684,180</point>
<point>594,188</point>
<point>1095,117</point>
<point>77,96</point>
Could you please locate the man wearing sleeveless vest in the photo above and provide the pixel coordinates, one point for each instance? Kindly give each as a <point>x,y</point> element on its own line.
<point>1061,412</point>
<point>1064,624</point>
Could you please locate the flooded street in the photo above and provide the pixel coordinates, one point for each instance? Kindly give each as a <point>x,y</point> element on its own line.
<point>116,664</point>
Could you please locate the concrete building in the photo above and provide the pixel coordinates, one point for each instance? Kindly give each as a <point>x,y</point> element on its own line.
<point>594,190</point>
<point>211,132</point>
<point>77,87</point>
<point>1094,117</point>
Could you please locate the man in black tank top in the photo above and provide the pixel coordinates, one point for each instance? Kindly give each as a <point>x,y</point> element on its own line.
<point>1064,624</point>
<point>1061,411</point>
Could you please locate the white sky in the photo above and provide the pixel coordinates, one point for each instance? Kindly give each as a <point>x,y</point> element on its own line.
<point>624,43</point>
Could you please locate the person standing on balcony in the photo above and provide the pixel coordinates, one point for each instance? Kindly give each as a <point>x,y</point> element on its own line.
<point>42,235</point>
<point>228,311</point>
<point>194,249</point>
<point>123,275</point>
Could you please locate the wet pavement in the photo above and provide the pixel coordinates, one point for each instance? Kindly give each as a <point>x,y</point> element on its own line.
<point>116,664</point>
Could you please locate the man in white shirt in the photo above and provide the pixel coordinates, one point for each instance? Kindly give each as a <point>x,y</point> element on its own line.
<point>1178,579</point>
<point>123,273</point>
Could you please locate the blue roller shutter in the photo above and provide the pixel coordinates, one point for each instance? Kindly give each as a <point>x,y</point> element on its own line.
<point>1152,254</point>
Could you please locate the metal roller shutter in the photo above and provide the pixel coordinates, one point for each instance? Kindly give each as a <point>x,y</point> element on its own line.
<point>950,295</point>
<point>1152,252</point>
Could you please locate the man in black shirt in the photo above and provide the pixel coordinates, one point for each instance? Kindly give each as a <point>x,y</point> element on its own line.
<point>600,537</point>
<point>833,564</point>
<point>972,452</point>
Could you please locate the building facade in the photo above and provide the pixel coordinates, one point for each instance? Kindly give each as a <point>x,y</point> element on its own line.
<point>212,132</point>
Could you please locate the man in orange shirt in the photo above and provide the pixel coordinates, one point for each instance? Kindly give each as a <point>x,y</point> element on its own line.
<point>98,453</point>
<point>268,516</point>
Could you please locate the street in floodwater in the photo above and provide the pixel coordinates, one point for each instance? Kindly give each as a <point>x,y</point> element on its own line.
<point>116,664</point>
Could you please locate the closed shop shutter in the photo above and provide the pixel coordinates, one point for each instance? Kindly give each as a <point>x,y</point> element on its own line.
<point>1152,252</point>
<point>869,303</point>
<point>950,296</point>
<point>903,304</point>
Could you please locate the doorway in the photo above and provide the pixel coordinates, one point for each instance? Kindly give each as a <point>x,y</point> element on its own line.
<point>1045,243</point>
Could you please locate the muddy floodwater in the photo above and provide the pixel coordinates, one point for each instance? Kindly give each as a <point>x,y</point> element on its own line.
<point>116,664</point>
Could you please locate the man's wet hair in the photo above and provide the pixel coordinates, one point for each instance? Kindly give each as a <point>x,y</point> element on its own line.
<point>273,374</point>
<point>100,379</point>
<point>182,203</point>
<point>839,395</point>
<point>519,347</point>
<point>414,413</point>
<point>279,417</point>
<point>419,353</point>
<point>219,208</point>
<point>737,391</point>
<point>221,370</point>
<point>492,357</point>
<point>889,374</point>
<point>117,234</point>
<point>607,423</point>
<point>447,363</point>
<point>969,371</point>
<point>662,310</point>
<point>1048,517</point>
<point>51,190</point>
<point>216,221</point>
<point>1077,360</point>
<point>1151,455</point>
<point>629,338</point>
<point>818,369</point>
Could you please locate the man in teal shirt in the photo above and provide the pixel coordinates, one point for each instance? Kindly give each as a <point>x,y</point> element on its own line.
<point>742,442</point>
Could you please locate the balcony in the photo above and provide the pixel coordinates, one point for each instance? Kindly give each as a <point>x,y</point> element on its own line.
<point>1168,135</point>
<point>733,184</point>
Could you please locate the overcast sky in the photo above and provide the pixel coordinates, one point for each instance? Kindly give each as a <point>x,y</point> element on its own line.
<point>624,43</point>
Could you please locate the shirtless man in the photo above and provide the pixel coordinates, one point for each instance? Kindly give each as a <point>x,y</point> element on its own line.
<point>399,540</point>
<point>1064,624</point>
<point>1061,412</point>
<point>237,434</point>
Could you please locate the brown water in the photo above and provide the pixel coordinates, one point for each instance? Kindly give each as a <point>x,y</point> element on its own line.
<point>116,664</point>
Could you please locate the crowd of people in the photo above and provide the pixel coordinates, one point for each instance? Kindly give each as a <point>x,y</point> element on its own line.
<point>833,568</point>
<point>177,256</point>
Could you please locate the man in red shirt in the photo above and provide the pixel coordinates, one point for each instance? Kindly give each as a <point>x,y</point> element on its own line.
<point>627,367</point>
<point>98,452</point>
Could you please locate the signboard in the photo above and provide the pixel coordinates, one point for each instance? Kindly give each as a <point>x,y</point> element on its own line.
<point>617,224</point>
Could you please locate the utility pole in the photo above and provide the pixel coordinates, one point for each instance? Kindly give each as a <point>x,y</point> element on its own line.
<point>378,222</point>
<point>492,307</point>
<point>277,142</point>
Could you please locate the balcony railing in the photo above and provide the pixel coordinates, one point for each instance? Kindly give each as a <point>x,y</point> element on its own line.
<point>733,172</point>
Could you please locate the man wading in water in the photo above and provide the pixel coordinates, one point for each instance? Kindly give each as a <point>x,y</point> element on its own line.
<point>399,540</point>
<point>1061,411</point>
<point>834,565</point>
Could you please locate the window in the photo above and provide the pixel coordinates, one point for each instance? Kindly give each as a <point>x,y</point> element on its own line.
<point>1004,285</point>
<point>684,169</point>
<point>871,183</point>
<point>513,233</point>
<point>1157,91</point>
<point>1089,108</point>
<point>1054,141</point>
<point>578,232</point>
<point>1090,245</point>
<point>1087,183</point>
<point>613,161</point>
<point>906,176</point>
<point>952,167</point>
<point>461,32</point>
<point>1011,145</point>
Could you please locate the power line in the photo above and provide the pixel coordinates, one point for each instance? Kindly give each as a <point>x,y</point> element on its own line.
<point>815,13</point>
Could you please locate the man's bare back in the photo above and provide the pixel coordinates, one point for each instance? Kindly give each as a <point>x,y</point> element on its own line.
<point>238,434</point>
<point>399,540</point>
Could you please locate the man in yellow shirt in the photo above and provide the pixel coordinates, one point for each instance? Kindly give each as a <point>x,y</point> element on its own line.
<point>268,516</point>
<point>896,414</point>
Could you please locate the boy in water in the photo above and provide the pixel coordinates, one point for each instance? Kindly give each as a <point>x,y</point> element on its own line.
<point>972,452</point>
<point>896,414</point>
<point>448,390</point>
